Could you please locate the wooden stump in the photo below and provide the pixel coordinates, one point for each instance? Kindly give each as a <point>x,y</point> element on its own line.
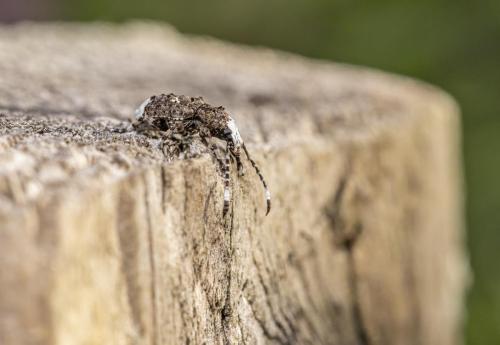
<point>104,241</point>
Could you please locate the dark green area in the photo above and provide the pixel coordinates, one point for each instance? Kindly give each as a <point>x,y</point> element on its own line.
<point>453,44</point>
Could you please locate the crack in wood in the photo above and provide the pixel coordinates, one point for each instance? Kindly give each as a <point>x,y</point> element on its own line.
<point>347,239</point>
<point>284,337</point>
<point>359,324</point>
<point>226,310</point>
<point>152,263</point>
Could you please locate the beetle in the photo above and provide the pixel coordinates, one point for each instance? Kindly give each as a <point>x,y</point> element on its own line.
<point>180,118</point>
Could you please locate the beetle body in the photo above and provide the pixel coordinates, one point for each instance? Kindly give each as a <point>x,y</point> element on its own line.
<point>181,118</point>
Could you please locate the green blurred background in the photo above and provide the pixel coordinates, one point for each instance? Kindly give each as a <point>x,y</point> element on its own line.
<point>454,44</point>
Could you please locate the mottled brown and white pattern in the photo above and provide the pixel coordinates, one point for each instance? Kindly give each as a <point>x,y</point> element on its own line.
<point>178,120</point>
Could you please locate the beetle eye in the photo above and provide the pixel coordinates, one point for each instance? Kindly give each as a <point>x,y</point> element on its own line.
<point>227,131</point>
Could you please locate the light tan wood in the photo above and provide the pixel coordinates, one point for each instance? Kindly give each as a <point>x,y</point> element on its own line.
<point>103,241</point>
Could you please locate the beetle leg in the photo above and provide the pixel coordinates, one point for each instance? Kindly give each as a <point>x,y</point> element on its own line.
<point>225,165</point>
<point>237,156</point>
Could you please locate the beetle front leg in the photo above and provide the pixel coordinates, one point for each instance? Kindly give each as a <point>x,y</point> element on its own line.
<point>236,154</point>
<point>224,164</point>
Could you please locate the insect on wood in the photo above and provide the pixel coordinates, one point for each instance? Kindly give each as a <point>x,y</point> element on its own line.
<point>178,120</point>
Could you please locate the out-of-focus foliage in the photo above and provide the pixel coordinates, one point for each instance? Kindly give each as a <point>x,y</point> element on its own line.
<point>451,43</point>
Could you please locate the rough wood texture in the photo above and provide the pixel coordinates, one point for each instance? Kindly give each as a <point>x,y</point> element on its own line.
<point>103,242</point>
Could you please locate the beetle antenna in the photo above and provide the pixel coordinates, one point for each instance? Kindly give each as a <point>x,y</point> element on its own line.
<point>257,170</point>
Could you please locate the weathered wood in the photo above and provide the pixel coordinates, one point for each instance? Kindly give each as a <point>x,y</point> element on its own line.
<point>102,241</point>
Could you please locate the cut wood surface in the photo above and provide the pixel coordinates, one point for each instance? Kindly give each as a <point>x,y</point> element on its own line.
<point>105,240</point>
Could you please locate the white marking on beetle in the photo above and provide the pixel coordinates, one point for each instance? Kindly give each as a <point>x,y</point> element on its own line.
<point>139,112</point>
<point>268,194</point>
<point>235,133</point>
<point>227,195</point>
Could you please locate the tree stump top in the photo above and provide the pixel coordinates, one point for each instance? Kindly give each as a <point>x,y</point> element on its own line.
<point>68,87</point>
